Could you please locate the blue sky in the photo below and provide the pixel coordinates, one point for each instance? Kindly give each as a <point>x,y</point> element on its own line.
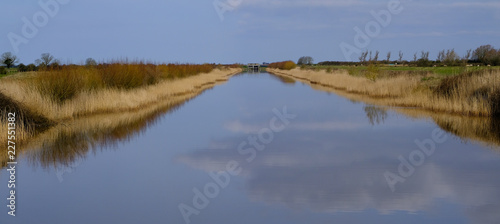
<point>251,30</point>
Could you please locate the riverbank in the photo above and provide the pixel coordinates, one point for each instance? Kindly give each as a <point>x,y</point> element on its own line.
<point>474,93</point>
<point>29,103</point>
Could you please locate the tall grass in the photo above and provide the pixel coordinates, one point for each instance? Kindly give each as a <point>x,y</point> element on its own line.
<point>62,145</point>
<point>59,85</point>
<point>65,82</point>
<point>285,65</point>
<point>73,91</point>
<point>386,70</point>
<point>26,122</point>
<point>473,93</point>
<point>477,87</point>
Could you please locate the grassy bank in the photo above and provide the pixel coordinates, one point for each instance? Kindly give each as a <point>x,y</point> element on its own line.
<point>441,71</point>
<point>70,92</point>
<point>471,93</point>
<point>70,141</point>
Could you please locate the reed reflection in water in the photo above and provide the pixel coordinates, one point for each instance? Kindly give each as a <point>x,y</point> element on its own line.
<point>71,142</point>
<point>326,167</point>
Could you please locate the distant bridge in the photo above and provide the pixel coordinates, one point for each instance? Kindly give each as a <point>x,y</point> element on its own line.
<point>253,67</point>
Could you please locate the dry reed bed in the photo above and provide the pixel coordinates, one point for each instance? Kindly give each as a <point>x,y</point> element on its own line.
<point>472,95</point>
<point>70,141</point>
<point>484,130</point>
<point>113,113</point>
<point>103,100</point>
<point>110,99</point>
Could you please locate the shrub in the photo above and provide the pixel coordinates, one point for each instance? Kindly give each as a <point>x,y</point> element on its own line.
<point>89,62</point>
<point>63,82</point>
<point>289,65</point>
<point>495,103</point>
<point>58,85</point>
<point>305,60</point>
<point>423,63</point>
<point>475,86</point>
<point>183,70</point>
<point>3,71</point>
<point>129,76</point>
<point>450,85</point>
<point>31,68</point>
<point>353,71</point>
<point>285,65</point>
<point>22,68</point>
<point>234,65</point>
<point>26,119</point>
<point>372,72</point>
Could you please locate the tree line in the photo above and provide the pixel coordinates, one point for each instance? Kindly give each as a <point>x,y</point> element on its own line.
<point>46,61</point>
<point>483,55</point>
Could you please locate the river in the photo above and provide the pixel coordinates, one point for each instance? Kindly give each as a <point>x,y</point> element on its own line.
<point>262,149</point>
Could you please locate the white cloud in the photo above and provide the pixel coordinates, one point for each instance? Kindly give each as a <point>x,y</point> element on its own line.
<point>238,127</point>
<point>343,180</point>
<point>326,126</point>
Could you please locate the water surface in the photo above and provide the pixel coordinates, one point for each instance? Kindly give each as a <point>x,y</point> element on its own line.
<point>329,164</point>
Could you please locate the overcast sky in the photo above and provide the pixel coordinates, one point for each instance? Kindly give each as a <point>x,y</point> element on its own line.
<point>242,31</point>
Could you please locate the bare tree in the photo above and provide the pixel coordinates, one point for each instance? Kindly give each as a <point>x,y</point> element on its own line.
<point>451,57</point>
<point>388,56</point>
<point>441,55</point>
<point>375,58</point>
<point>90,62</point>
<point>376,115</point>
<point>487,55</point>
<point>424,55</point>
<point>8,59</point>
<point>45,60</point>
<point>305,60</point>
<point>415,57</point>
<point>466,57</point>
<point>400,56</point>
<point>481,53</point>
<point>362,57</point>
<point>423,61</point>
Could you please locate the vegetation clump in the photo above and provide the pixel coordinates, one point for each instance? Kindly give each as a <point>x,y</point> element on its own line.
<point>284,65</point>
<point>27,122</point>
<point>495,104</point>
<point>305,60</point>
<point>62,93</point>
<point>61,83</point>
<point>471,93</point>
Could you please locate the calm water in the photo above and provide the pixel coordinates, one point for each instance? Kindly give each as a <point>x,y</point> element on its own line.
<point>327,161</point>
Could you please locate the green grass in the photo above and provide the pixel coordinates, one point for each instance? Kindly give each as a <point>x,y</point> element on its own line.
<point>440,71</point>
<point>10,71</point>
